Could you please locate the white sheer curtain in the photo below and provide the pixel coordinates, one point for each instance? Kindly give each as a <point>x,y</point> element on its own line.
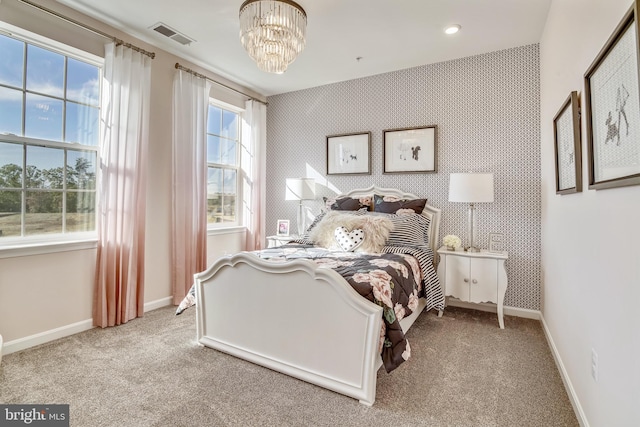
<point>119,284</point>
<point>253,171</point>
<point>189,174</point>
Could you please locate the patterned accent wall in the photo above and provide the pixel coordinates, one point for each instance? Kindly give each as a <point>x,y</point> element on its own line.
<point>487,112</point>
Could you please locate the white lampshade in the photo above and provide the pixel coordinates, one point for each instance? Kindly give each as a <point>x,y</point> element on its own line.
<point>300,189</point>
<point>471,187</point>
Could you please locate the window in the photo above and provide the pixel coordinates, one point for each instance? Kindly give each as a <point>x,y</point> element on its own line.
<point>49,137</point>
<point>223,164</point>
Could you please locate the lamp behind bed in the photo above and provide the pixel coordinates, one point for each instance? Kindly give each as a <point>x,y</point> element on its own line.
<point>300,189</point>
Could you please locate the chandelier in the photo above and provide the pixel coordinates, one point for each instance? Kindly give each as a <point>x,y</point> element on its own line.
<point>272,32</point>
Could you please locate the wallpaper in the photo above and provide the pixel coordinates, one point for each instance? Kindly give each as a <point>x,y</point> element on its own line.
<point>487,112</point>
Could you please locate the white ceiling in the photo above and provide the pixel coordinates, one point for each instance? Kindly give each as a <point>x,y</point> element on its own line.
<point>387,34</point>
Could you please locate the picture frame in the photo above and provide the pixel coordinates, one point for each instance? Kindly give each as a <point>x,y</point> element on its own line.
<point>612,109</point>
<point>283,227</point>
<point>568,146</point>
<point>349,154</point>
<point>496,243</point>
<point>410,150</point>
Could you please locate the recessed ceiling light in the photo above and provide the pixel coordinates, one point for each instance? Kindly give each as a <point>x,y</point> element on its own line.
<point>452,29</point>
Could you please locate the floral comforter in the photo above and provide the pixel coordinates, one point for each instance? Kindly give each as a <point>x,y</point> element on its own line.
<point>392,280</point>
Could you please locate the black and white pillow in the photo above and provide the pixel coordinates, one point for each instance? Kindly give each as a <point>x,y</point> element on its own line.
<point>347,203</point>
<point>392,204</point>
<point>348,240</point>
<point>408,229</point>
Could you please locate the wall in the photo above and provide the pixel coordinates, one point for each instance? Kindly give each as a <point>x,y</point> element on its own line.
<point>591,273</point>
<point>42,293</point>
<point>486,108</point>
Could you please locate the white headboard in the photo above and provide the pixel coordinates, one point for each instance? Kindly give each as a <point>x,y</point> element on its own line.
<point>429,211</point>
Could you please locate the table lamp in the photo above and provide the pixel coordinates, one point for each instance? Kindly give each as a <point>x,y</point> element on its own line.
<point>471,188</point>
<point>300,189</point>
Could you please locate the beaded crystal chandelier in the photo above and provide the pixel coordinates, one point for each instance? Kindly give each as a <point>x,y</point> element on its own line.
<point>272,32</point>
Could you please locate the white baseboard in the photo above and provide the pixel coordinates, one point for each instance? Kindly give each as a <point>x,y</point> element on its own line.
<point>159,303</point>
<point>67,330</point>
<point>46,336</point>
<point>492,308</point>
<point>573,397</point>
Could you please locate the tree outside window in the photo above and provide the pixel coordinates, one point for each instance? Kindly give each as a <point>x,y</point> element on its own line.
<point>49,137</point>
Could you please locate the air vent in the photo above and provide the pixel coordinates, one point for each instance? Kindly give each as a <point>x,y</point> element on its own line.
<point>167,31</point>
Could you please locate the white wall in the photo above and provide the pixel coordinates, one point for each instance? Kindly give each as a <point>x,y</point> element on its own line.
<point>44,292</point>
<point>590,252</point>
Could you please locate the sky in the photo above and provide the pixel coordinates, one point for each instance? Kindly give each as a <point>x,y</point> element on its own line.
<point>48,114</point>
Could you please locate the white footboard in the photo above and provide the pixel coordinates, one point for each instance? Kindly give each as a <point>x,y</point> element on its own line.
<point>308,323</point>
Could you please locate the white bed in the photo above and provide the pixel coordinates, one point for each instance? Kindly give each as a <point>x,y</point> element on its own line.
<point>240,297</point>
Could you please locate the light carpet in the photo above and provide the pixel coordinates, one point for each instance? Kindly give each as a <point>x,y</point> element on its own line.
<point>464,371</point>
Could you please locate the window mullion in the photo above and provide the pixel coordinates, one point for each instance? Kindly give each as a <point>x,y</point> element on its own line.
<point>64,101</point>
<point>24,87</point>
<point>64,193</point>
<point>23,191</point>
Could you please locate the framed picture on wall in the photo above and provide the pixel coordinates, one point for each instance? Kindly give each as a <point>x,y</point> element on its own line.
<point>349,154</point>
<point>568,151</point>
<point>283,227</point>
<point>612,105</point>
<point>410,150</point>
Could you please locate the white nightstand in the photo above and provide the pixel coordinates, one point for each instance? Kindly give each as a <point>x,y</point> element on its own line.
<point>474,277</point>
<point>275,241</point>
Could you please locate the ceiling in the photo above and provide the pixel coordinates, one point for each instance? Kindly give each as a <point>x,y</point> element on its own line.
<point>387,35</point>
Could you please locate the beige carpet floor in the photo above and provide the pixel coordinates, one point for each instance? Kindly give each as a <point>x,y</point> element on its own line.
<point>464,371</point>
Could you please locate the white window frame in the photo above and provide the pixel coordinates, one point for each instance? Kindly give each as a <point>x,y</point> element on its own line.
<point>222,228</point>
<point>59,242</point>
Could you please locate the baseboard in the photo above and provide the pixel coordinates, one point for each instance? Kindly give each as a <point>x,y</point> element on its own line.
<point>573,397</point>
<point>46,336</point>
<point>67,330</point>
<point>492,308</point>
<point>159,303</point>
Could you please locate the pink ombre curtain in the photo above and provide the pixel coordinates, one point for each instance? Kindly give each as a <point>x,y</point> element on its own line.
<point>253,172</point>
<point>189,175</point>
<point>119,285</point>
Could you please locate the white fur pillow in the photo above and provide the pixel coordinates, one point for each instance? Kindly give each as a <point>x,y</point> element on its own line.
<point>376,230</point>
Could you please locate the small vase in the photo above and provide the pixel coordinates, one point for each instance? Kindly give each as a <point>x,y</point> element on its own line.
<point>451,248</point>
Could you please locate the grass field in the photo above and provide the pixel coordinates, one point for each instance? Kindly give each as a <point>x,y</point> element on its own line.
<point>45,223</point>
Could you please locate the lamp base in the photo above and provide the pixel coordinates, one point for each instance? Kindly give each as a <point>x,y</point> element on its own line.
<point>301,219</point>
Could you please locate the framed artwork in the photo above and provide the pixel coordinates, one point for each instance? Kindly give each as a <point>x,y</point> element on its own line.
<point>410,150</point>
<point>568,151</point>
<point>349,154</point>
<point>496,243</point>
<point>612,104</point>
<point>283,227</point>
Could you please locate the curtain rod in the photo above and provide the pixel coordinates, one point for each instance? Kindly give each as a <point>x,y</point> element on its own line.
<point>190,71</point>
<point>116,40</point>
